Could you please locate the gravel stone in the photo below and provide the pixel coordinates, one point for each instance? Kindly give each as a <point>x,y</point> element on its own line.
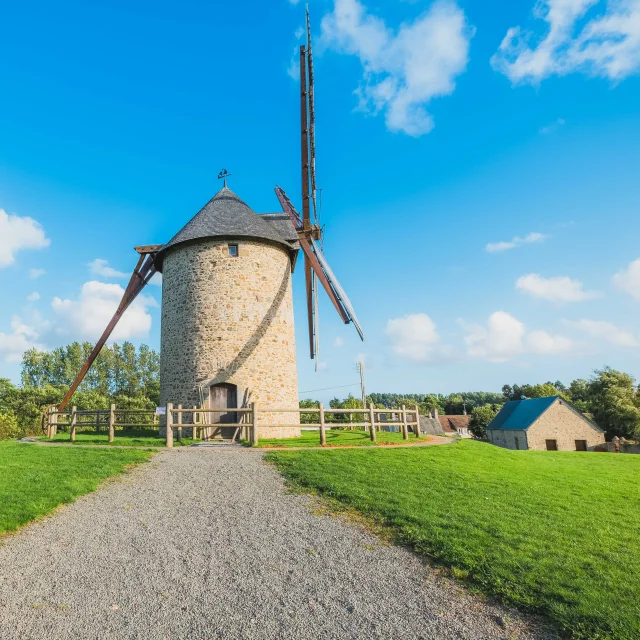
<point>208,543</point>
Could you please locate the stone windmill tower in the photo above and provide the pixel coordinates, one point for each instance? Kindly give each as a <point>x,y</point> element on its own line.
<point>227,333</point>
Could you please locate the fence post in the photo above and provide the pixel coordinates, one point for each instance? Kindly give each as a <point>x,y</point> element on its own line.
<point>405,427</point>
<point>194,430</point>
<point>372,427</point>
<point>254,423</point>
<point>323,434</point>
<point>72,428</point>
<point>112,422</point>
<point>53,419</point>
<point>417,410</point>
<point>180,424</point>
<point>169,437</point>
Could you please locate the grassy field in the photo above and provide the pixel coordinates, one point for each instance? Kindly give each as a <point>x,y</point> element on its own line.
<point>339,438</point>
<point>554,532</point>
<point>123,438</point>
<point>34,480</point>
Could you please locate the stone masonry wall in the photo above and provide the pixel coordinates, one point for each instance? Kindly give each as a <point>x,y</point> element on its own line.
<point>507,439</point>
<point>560,422</point>
<point>230,319</point>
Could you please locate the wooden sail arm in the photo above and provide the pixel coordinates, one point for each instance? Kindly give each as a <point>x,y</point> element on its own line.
<point>305,244</point>
<point>142,273</point>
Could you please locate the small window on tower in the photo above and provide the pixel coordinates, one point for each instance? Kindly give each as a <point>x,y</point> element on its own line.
<point>233,250</point>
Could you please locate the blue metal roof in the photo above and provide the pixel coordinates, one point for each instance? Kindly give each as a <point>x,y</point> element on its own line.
<point>519,415</point>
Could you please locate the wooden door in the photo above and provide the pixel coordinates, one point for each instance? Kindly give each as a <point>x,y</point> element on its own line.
<point>581,445</point>
<point>552,445</point>
<point>223,396</point>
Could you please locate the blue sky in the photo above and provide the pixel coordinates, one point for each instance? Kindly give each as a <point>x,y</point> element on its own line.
<point>478,163</point>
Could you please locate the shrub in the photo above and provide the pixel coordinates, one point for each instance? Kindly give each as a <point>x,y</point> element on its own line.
<point>9,426</point>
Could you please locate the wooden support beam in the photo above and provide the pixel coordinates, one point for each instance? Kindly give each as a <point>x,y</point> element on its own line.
<point>180,424</point>
<point>417,410</point>
<point>141,275</point>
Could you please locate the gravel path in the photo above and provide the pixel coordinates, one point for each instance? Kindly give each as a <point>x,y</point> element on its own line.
<point>203,543</point>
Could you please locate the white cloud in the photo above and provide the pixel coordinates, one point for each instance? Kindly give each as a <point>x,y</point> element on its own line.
<point>495,247</point>
<point>403,71</point>
<point>156,279</point>
<point>555,289</point>
<point>413,337</point>
<point>338,341</point>
<point>36,273</point>
<point>505,338</point>
<point>33,297</point>
<point>628,279</point>
<point>606,43</point>
<point>551,128</point>
<point>101,268</point>
<point>500,341</point>
<point>606,331</point>
<point>87,317</point>
<point>21,338</point>
<point>17,234</point>
<point>322,366</point>
<point>543,343</point>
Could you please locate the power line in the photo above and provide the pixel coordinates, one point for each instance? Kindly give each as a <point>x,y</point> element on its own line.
<point>355,384</point>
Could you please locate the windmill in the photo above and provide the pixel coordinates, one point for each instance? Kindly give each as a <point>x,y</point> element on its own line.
<point>227,314</point>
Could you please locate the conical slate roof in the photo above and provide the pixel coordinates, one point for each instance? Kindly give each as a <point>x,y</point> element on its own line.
<point>227,216</point>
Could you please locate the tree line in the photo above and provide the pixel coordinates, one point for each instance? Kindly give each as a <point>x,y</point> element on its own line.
<point>130,378</point>
<point>121,374</point>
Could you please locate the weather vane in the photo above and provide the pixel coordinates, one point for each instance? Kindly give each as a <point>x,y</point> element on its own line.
<point>223,175</point>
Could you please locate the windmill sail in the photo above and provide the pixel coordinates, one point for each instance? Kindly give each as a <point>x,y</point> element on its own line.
<point>316,261</point>
<point>335,285</point>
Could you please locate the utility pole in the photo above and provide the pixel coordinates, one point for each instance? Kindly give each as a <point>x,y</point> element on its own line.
<point>364,395</point>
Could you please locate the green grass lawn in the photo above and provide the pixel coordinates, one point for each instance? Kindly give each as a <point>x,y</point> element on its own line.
<point>123,438</point>
<point>34,480</point>
<point>338,438</point>
<point>553,532</point>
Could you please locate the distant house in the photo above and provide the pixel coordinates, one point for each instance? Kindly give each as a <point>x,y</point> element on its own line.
<point>436,425</point>
<point>544,423</point>
<point>456,425</point>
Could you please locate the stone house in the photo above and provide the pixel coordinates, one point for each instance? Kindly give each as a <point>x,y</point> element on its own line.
<point>544,423</point>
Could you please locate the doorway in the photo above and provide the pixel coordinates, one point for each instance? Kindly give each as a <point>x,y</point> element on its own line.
<point>223,396</point>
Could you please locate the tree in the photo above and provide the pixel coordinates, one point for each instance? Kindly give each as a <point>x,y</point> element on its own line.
<point>308,418</point>
<point>529,391</point>
<point>615,403</point>
<point>480,419</point>
<point>578,393</point>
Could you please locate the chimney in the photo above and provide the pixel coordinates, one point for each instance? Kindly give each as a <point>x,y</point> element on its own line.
<point>434,413</point>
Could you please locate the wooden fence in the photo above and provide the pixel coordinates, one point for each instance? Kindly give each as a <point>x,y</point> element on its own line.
<point>201,427</point>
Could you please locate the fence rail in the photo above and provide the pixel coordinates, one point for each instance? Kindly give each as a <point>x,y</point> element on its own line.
<point>372,419</point>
